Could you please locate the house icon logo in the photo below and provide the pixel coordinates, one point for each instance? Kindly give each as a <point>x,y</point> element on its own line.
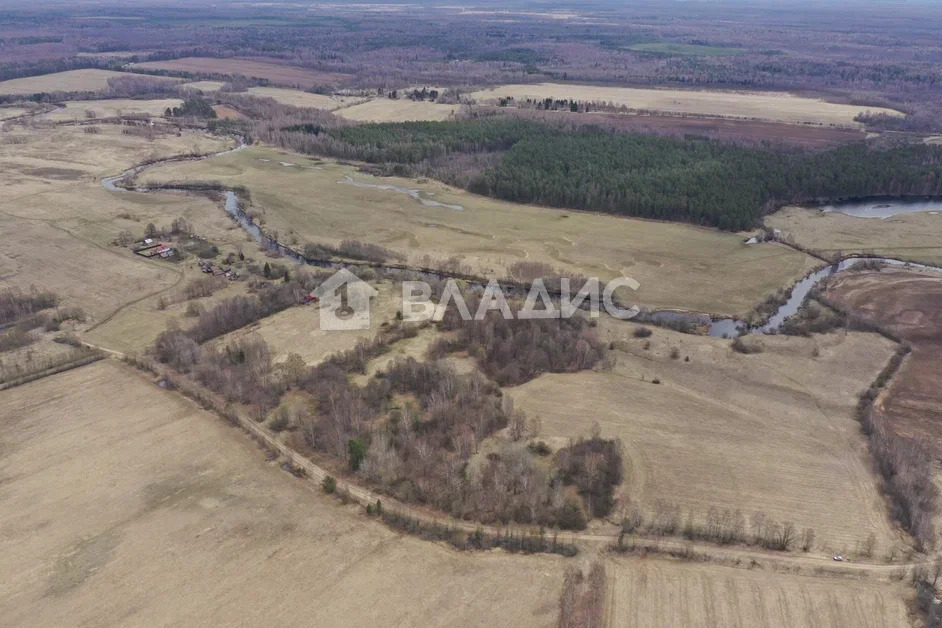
<point>344,302</point>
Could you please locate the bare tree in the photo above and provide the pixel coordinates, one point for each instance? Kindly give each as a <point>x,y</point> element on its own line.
<point>807,541</point>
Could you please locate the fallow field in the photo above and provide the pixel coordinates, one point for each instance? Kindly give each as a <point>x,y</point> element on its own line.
<point>297,329</point>
<point>90,80</point>
<point>165,516</point>
<point>772,433</point>
<point>58,221</point>
<point>909,303</point>
<point>915,237</point>
<point>397,110</point>
<point>772,106</point>
<point>677,265</point>
<point>78,109</point>
<point>651,593</point>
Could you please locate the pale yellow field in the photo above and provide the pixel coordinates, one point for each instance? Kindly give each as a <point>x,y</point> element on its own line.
<point>225,112</point>
<point>915,237</point>
<point>772,106</point>
<point>409,348</point>
<point>91,80</point>
<point>12,112</point>
<point>653,593</point>
<point>133,329</point>
<point>57,221</point>
<point>676,265</point>
<point>204,86</point>
<point>399,110</point>
<point>76,110</point>
<point>297,329</point>
<point>772,432</point>
<point>298,98</point>
<point>139,509</point>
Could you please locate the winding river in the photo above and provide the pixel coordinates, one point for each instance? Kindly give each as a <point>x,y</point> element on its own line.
<point>719,327</point>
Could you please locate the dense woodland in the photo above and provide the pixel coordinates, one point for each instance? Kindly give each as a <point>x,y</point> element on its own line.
<point>693,180</point>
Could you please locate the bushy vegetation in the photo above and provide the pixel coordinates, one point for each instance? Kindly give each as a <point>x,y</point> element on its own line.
<point>905,464</point>
<point>594,467</point>
<point>15,338</point>
<point>351,249</point>
<point>582,599</point>
<point>16,304</point>
<point>514,351</point>
<point>239,311</point>
<point>192,107</point>
<point>416,430</point>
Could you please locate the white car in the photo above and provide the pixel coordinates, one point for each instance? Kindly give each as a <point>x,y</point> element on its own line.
<point>839,558</point>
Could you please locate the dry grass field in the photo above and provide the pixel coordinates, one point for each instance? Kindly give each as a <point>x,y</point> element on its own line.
<point>163,516</point>
<point>652,593</point>
<point>7,113</point>
<point>77,109</point>
<point>225,112</point>
<point>915,237</point>
<point>298,98</point>
<point>770,433</point>
<point>276,73</point>
<point>58,221</point>
<point>771,106</point>
<point>399,110</point>
<point>677,265</point>
<point>297,329</point>
<point>91,80</point>
<point>204,86</point>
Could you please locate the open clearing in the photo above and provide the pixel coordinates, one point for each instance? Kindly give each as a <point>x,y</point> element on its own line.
<point>58,221</point>
<point>297,329</point>
<point>916,237</point>
<point>772,432</point>
<point>652,593</point>
<point>910,304</point>
<point>204,86</point>
<point>111,108</point>
<point>277,73</point>
<point>677,265</point>
<point>397,110</point>
<point>91,80</point>
<point>298,98</point>
<point>164,516</point>
<point>225,112</point>
<point>773,106</point>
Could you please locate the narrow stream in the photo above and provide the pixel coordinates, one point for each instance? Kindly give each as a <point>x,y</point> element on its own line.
<point>723,327</point>
<point>416,194</point>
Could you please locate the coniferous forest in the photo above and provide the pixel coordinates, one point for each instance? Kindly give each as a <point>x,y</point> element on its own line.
<point>691,180</point>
